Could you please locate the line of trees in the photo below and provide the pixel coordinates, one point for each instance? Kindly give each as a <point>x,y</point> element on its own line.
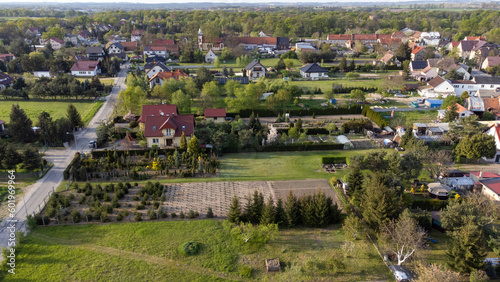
<point>312,211</point>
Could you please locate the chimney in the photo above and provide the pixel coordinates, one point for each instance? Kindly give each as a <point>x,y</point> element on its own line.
<point>481,174</point>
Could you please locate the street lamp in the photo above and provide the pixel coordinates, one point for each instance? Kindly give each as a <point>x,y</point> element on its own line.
<point>74,137</point>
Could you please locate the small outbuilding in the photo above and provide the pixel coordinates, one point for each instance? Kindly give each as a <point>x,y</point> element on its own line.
<point>342,139</point>
<point>215,115</point>
<point>438,190</point>
<point>433,103</point>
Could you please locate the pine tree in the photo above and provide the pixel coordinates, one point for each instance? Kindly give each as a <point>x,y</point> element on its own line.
<point>31,159</point>
<point>183,142</point>
<point>193,146</point>
<point>451,113</point>
<point>74,116</point>
<point>234,214</point>
<point>298,125</point>
<point>379,202</point>
<point>10,158</point>
<point>20,125</point>
<point>268,213</point>
<point>292,210</point>
<point>255,210</point>
<point>231,72</point>
<point>352,67</point>
<point>254,123</point>
<point>405,139</point>
<point>280,215</point>
<point>355,181</point>
<point>343,64</point>
<point>280,65</point>
<point>466,251</point>
<point>321,209</point>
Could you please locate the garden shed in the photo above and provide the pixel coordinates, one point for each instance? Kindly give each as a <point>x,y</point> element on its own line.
<point>460,183</point>
<point>342,139</point>
<point>433,103</point>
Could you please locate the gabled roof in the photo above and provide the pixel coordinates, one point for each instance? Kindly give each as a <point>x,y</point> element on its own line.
<point>312,68</point>
<point>157,110</point>
<point>258,40</point>
<point>158,64</point>
<point>339,37</point>
<point>175,74</point>
<point>5,79</point>
<point>386,58</point>
<point>57,40</point>
<point>215,113</point>
<point>5,57</point>
<point>130,46</point>
<point>475,38</point>
<point>399,34</point>
<point>162,42</point>
<point>493,61</point>
<point>155,58</point>
<point>432,62</point>
<point>155,48</point>
<point>81,58</point>
<point>137,32</point>
<point>435,82</point>
<point>491,105</point>
<point>94,50</point>
<point>154,125</point>
<point>487,79</point>
<point>116,44</point>
<point>254,63</point>
<point>84,65</point>
<point>467,45</point>
<point>486,174</point>
<point>455,43</point>
<point>427,69</point>
<point>417,49</point>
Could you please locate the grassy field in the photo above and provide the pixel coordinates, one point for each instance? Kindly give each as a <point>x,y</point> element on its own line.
<point>280,165</point>
<point>327,84</point>
<point>90,113</point>
<point>56,108</point>
<point>149,251</point>
<point>408,118</point>
<point>105,81</point>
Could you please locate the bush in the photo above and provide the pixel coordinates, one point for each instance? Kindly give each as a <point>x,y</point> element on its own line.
<point>190,248</point>
<point>76,216</point>
<point>181,215</point>
<point>174,215</point>
<point>191,214</point>
<point>375,117</point>
<point>245,271</point>
<point>140,207</point>
<point>119,217</point>
<point>210,214</point>
<point>138,216</point>
<point>133,124</point>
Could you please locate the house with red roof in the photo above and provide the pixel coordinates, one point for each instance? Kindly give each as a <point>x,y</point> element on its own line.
<point>494,130</point>
<point>86,68</point>
<point>160,77</point>
<point>5,80</point>
<point>481,175</point>
<point>491,188</point>
<point>155,51</point>
<point>215,115</point>
<point>7,57</point>
<point>56,43</point>
<point>417,53</point>
<point>204,44</point>
<point>163,126</point>
<point>135,35</point>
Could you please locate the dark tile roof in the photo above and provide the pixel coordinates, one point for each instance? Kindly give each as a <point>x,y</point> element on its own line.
<point>94,50</point>
<point>487,80</point>
<point>253,64</point>
<point>153,59</point>
<point>311,68</point>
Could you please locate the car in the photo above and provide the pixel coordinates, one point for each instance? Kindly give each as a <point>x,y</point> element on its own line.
<point>92,144</point>
<point>414,104</point>
<point>399,95</point>
<point>420,101</point>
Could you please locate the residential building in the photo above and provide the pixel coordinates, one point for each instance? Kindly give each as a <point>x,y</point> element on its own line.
<point>491,188</point>
<point>114,48</point>
<point>255,69</point>
<point>56,43</point>
<point>5,80</point>
<point>204,45</point>
<point>342,39</point>
<point>389,59</point>
<point>71,38</point>
<point>7,57</point>
<point>86,68</point>
<point>481,175</point>
<point>418,65</point>
<point>430,38</point>
<point>210,57</point>
<point>461,111</point>
<point>130,46</point>
<point>437,87</point>
<point>163,126</point>
<point>160,77</point>
<point>34,32</point>
<point>486,93</point>
<point>95,53</point>
<point>156,68</point>
<point>490,62</point>
<point>155,59</point>
<point>494,130</point>
<point>215,115</point>
<point>135,35</point>
<point>313,71</point>
<point>304,47</point>
<point>84,35</point>
<point>155,51</point>
<point>417,53</point>
<point>426,74</point>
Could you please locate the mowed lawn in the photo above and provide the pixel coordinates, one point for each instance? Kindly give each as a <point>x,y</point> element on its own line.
<point>280,165</point>
<point>56,108</point>
<point>149,251</point>
<point>327,84</point>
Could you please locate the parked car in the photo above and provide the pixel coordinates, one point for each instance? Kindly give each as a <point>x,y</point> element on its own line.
<point>420,101</point>
<point>93,144</point>
<point>414,104</point>
<point>399,95</point>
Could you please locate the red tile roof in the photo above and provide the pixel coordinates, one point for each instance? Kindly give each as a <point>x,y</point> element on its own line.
<point>154,48</point>
<point>486,174</point>
<point>84,65</point>
<point>57,40</point>
<point>155,124</point>
<point>137,32</point>
<point>5,57</point>
<point>163,42</point>
<point>215,113</point>
<point>157,110</point>
<point>493,184</point>
<point>475,38</point>
<point>258,40</point>
<point>339,37</point>
<point>417,49</point>
<point>130,46</point>
<point>175,74</point>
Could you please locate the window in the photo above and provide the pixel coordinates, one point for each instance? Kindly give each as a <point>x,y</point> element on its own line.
<point>183,127</point>
<point>154,127</point>
<point>155,141</point>
<point>168,132</point>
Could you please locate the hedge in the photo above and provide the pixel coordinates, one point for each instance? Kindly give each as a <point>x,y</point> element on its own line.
<point>375,117</point>
<point>334,160</point>
<point>302,147</point>
<point>310,131</point>
<point>345,110</point>
<point>140,152</point>
<point>68,168</point>
<point>429,205</point>
<point>341,89</point>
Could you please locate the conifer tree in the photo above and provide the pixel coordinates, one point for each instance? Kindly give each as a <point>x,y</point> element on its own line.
<point>31,159</point>
<point>74,116</point>
<point>380,202</point>
<point>280,215</point>
<point>20,125</point>
<point>292,210</point>
<point>466,251</point>
<point>234,214</point>
<point>268,213</point>
<point>355,180</point>
<point>183,142</point>
<point>343,64</point>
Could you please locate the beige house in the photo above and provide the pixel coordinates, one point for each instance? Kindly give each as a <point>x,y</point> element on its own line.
<point>163,126</point>
<point>255,70</point>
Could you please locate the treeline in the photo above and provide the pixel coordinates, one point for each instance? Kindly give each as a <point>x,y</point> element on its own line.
<point>29,158</point>
<point>311,211</point>
<point>339,110</point>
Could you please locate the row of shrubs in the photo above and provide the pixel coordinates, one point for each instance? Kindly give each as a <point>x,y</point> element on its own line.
<point>344,110</point>
<point>140,152</point>
<point>305,146</point>
<point>375,117</point>
<point>429,205</point>
<point>334,160</point>
<point>349,89</point>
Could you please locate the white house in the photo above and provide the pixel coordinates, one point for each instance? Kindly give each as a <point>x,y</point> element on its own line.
<point>255,69</point>
<point>461,111</point>
<point>477,83</point>
<point>437,87</point>
<point>71,38</point>
<point>155,51</point>
<point>313,71</point>
<point>210,57</point>
<point>494,130</point>
<point>86,68</point>
<point>158,67</point>
<point>135,35</point>
<point>5,80</point>
<point>430,38</point>
<point>491,188</point>
<point>115,48</point>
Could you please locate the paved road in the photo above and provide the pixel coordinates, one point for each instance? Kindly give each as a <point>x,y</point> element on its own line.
<point>37,192</point>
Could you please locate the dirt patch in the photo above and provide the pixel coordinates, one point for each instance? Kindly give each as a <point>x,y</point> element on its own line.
<point>300,188</point>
